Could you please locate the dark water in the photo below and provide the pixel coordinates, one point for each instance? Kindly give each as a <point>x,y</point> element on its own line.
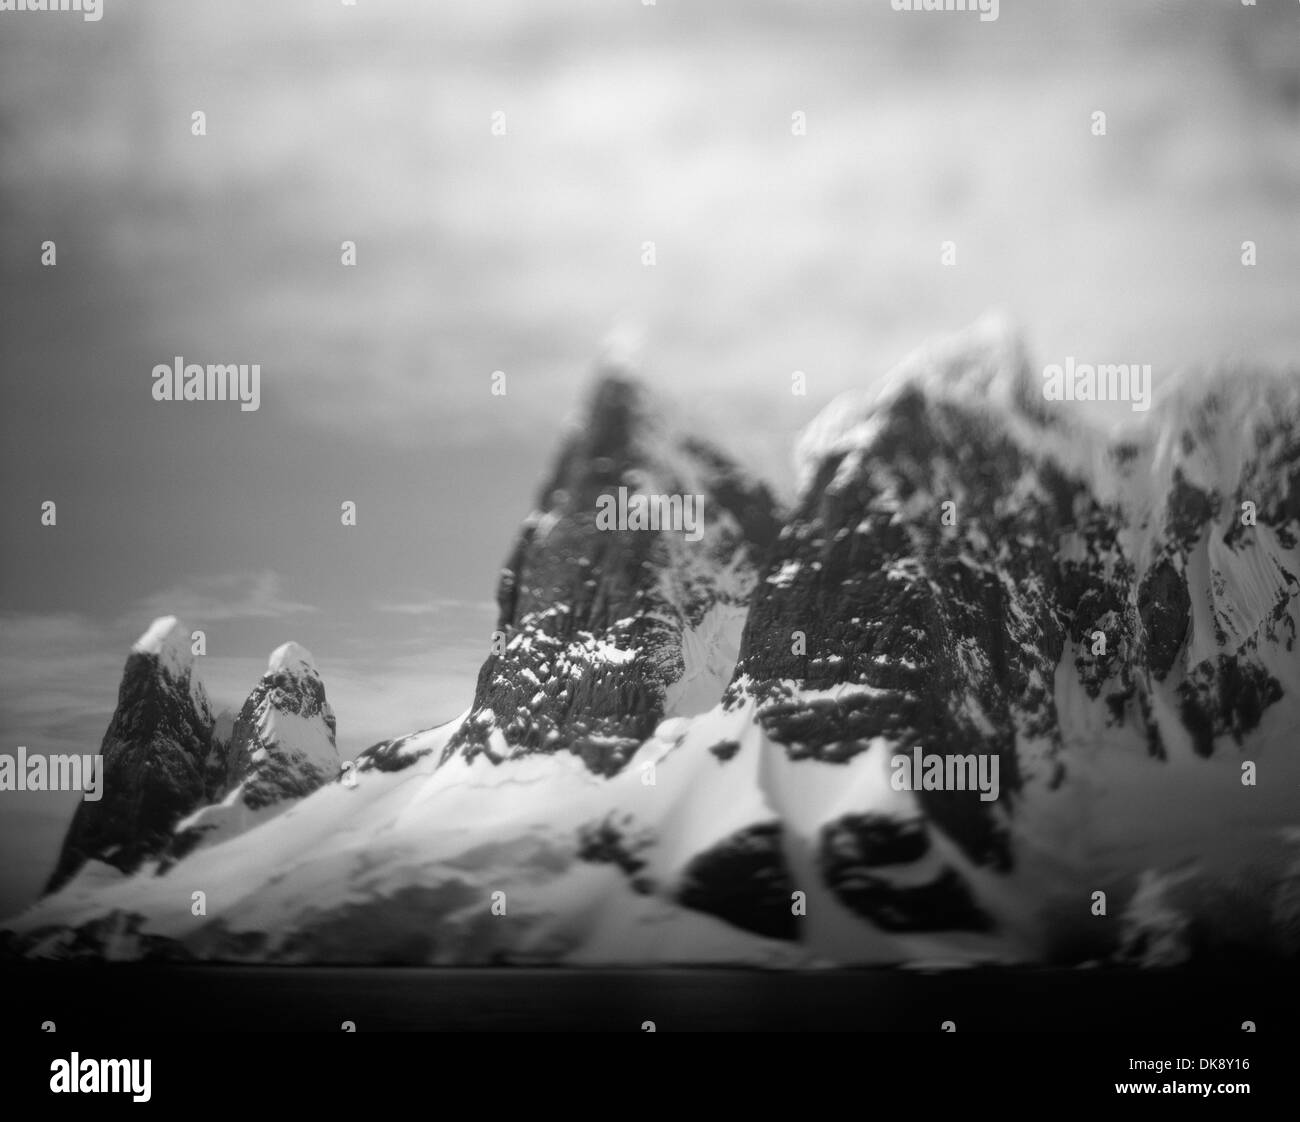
<point>222,998</point>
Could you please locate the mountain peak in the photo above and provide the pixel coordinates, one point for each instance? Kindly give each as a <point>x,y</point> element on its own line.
<point>605,624</point>
<point>168,639</point>
<point>984,368</point>
<point>291,658</point>
<point>616,411</point>
<point>985,361</point>
<point>279,748</point>
<point>153,757</point>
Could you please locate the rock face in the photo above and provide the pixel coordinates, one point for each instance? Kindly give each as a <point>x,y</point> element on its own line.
<point>886,614</point>
<point>154,754</point>
<point>956,541</point>
<point>859,856</point>
<point>603,632</point>
<point>744,881</point>
<point>280,748</point>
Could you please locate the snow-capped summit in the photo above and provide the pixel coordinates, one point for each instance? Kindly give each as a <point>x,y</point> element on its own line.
<point>292,658</point>
<point>167,639</point>
<point>985,365</point>
<point>984,369</point>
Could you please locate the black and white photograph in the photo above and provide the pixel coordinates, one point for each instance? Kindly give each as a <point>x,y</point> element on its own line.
<point>599,516</point>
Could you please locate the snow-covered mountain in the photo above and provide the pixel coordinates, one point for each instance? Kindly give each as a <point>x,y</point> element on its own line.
<point>1094,615</point>
<point>280,748</point>
<point>688,750</point>
<point>175,777</point>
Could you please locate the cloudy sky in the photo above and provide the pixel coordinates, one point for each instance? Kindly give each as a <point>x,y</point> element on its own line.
<point>625,123</point>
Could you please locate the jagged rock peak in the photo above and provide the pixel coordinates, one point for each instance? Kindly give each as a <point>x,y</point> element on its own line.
<point>279,748</point>
<point>626,434</point>
<point>282,745</point>
<point>154,752</point>
<point>984,368</point>
<point>604,622</point>
<point>621,424</point>
<point>985,363</point>
<point>167,640</point>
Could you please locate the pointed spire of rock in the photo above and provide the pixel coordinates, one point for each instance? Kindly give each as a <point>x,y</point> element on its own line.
<point>154,752</point>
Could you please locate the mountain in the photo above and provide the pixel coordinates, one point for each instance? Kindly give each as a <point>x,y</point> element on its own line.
<point>601,633</point>
<point>1076,648</point>
<point>154,753</point>
<point>280,748</point>
<point>606,631</point>
<point>1083,599</point>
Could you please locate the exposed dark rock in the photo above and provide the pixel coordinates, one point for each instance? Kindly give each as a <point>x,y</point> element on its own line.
<point>154,754</point>
<point>388,755</point>
<point>856,843</point>
<point>874,839</point>
<point>942,636</point>
<point>1163,606</point>
<point>592,619</point>
<point>725,749</point>
<point>744,880</point>
<point>616,840</point>
<point>1225,697</point>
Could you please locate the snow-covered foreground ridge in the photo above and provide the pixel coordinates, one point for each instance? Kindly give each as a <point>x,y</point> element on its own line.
<point>684,751</point>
